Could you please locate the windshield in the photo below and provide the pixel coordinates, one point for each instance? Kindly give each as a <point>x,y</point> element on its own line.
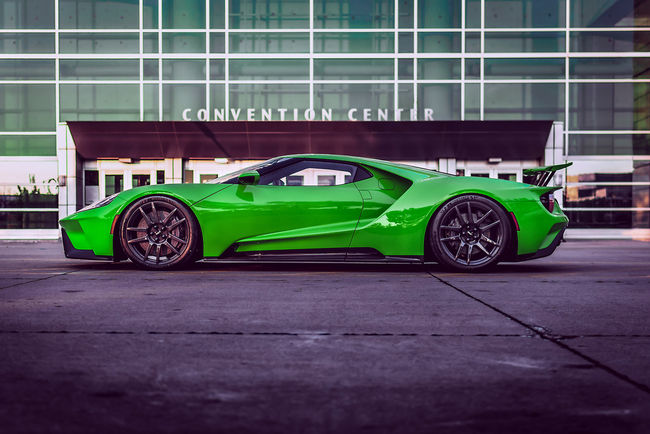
<point>229,178</point>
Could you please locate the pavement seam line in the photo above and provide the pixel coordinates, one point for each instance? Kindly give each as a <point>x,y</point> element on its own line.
<point>224,333</point>
<point>38,280</point>
<point>551,338</point>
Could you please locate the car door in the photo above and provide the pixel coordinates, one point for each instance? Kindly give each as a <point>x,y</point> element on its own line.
<point>305,205</point>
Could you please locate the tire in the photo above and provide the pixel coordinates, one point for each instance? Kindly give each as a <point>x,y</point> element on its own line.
<point>159,232</point>
<point>469,233</point>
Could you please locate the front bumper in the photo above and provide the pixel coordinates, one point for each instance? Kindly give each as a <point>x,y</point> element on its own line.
<point>71,252</point>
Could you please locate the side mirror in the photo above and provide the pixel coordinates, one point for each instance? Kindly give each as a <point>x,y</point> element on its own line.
<point>249,178</point>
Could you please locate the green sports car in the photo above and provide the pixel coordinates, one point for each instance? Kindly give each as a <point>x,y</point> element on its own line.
<point>325,208</point>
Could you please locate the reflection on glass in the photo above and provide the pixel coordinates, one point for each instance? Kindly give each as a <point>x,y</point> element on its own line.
<point>27,107</point>
<point>183,69</point>
<point>179,97</point>
<point>218,43</point>
<point>353,69</point>
<point>113,184</point>
<point>269,14</point>
<point>532,42</point>
<point>439,42</point>
<point>524,101</point>
<point>29,220</point>
<point>217,69</point>
<point>185,14</point>
<point>26,43</point>
<point>405,97</point>
<point>441,14</point>
<point>353,14</point>
<point>150,100</point>
<point>406,14</point>
<point>607,106</point>
<point>100,102</point>
<point>271,42</point>
<point>150,69</point>
<point>439,69</point>
<point>183,43</point>
<point>217,14</point>
<point>91,69</point>
<point>27,145</point>
<point>99,43</point>
<point>150,42</point>
<point>150,14</point>
<point>609,41</point>
<point>27,14</point>
<point>354,42</point>
<point>610,67</point>
<point>269,69</point>
<point>405,69</point>
<point>271,96</point>
<point>524,13</point>
<point>444,99</point>
<point>140,180</point>
<point>606,13</point>
<point>26,69</point>
<point>472,101</point>
<point>524,68</point>
<point>343,97</point>
<point>92,14</point>
<point>609,144</point>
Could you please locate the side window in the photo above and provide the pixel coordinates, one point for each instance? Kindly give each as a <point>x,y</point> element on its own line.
<point>312,173</point>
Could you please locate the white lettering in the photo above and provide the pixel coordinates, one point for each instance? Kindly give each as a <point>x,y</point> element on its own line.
<point>310,115</point>
<point>398,114</point>
<point>351,113</point>
<point>282,112</point>
<point>218,114</point>
<point>414,114</point>
<point>185,116</point>
<point>295,114</point>
<point>326,114</point>
<point>202,114</point>
<point>266,114</point>
<point>366,114</point>
<point>235,113</point>
<point>382,114</point>
<point>428,114</point>
<point>250,114</point>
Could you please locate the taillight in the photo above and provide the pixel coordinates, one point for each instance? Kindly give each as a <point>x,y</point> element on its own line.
<point>548,200</point>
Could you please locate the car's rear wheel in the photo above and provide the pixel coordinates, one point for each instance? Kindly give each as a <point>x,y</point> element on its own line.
<point>469,233</point>
<point>159,232</point>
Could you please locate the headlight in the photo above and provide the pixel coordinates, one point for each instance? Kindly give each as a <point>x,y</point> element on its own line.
<point>105,201</point>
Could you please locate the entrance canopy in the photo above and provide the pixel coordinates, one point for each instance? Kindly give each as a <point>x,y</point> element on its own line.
<point>243,140</point>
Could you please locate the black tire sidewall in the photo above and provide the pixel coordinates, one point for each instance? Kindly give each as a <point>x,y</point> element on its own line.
<point>187,255</point>
<point>435,244</point>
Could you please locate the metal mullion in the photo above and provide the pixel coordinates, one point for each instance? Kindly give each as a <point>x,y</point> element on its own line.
<point>416,55</point>
<point>207,58</point>
<point>311,54</point>
<point>227,59</point>
<point>141,51</point>
<point>462,60</point>
<point>57,90</point>
<point>482,65</point>
<point>160,72</point>
<point>396,61</point>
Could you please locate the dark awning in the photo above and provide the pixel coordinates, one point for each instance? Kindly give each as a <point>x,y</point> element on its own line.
<point>406,141</point>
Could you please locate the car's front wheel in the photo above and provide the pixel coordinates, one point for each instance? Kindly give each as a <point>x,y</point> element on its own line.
<point>469,233</point>
<point>159,232</point>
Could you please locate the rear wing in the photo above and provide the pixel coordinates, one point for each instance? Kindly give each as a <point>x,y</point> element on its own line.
<point>542,175</point>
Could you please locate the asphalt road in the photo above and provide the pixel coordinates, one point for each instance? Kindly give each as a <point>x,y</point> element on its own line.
<point>557,345</point>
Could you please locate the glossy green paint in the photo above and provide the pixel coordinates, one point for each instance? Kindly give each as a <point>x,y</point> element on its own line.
<point>389,212</point>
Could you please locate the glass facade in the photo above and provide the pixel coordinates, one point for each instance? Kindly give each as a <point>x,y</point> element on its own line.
<point>583,62</point>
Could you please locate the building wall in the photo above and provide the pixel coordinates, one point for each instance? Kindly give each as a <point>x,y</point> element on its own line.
<point>582,62</point>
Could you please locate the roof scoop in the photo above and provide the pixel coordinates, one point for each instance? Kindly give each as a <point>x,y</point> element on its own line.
<point>541,176</point>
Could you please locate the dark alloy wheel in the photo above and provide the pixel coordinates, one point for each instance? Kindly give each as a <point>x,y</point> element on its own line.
<point>469,233</point>
<point>159,232</point>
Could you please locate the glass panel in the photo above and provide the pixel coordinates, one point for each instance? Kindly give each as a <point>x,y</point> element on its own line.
<point>524,101</point>
<point>525,13</point>
<point>607,13</point>
<point>99,43</point>
<point>183,14</point>
<point>183,43</point>
<point>602,196</point>
<point>92,14</point>
<point>140,180</point>
<point>217,69</point>
<point>405,42</point>
<point>607,106</point>
<point>30,43</point>
<point>150,69</point>
<point>100,102</point>
<point>160,177</point>
<point>150,14</point>
<point>356,42</point>
<point>443,99</point>
<point>270,42</point>
<point>218,43</point>
<point>610,41</point>
<point>472,69</point>
<point>99,69</point>
<point>472,42</point>
<point>341,98</point>
<point>405,69</point>
<point>27,145</point>
<point>610,67</point>
<point>472,14</point>
<point>472,102</point>
<point>27,107</point>
<point>439,14</point>
<point>150,102</point>
<point>353,69</point>
<point>180,97</point>
<point>217,100</point>
<point>439,42</point>
<point>183,69</point>
<point>29,220</point>
<point>531,42</point>
<point>217,14</point>
<point>439,69</point>
<point>269,96</point>
<point>406,14</point>
<point>353,14</point>
<point>205,177</point>
<point>27,14</point>
<point>609,144</point>
<point>150,42</point>
<point>609,219</point>
<point>26,69</point>
<point>269,69</point>
<point>113,184</point>
<point>270,14</point>
<point>524,68</point>
<point>405,100</point>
